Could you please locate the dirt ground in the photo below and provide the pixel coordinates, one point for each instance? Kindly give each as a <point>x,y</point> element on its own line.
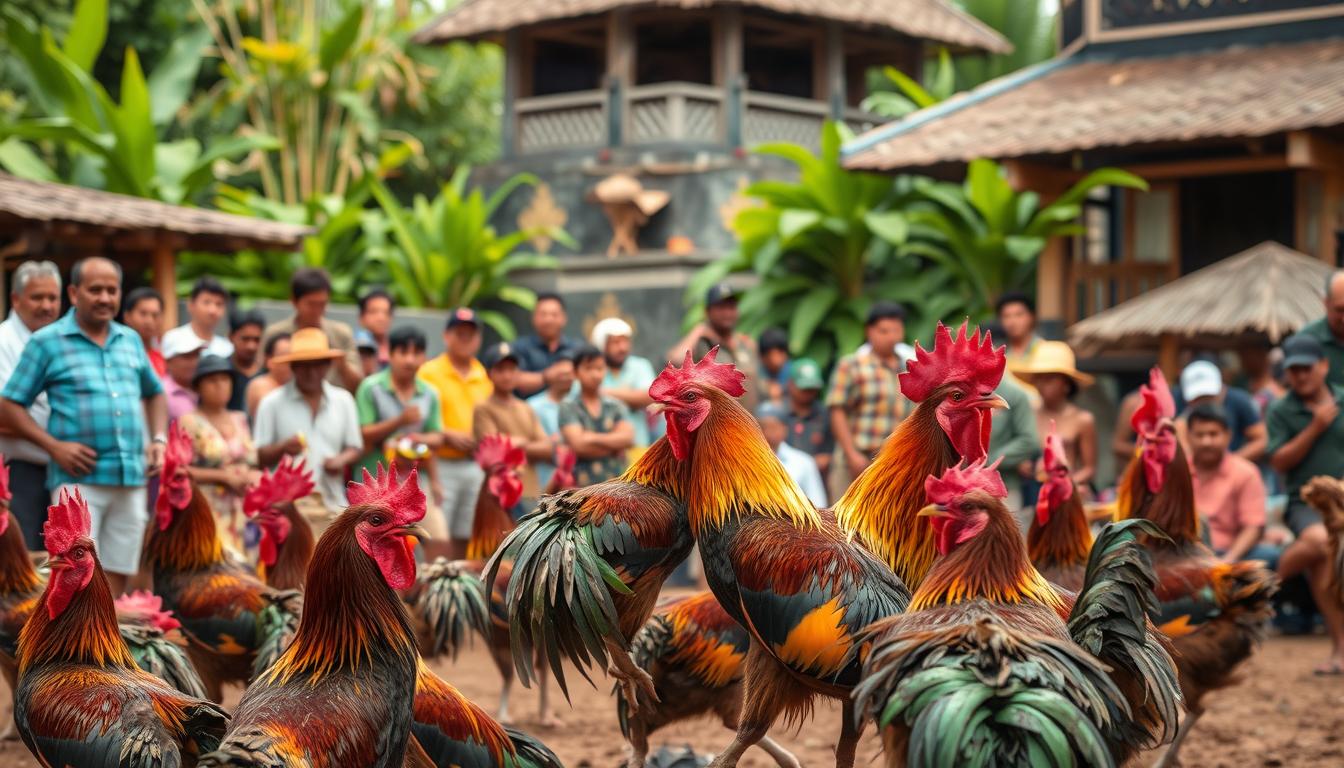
<point>1281,716</point>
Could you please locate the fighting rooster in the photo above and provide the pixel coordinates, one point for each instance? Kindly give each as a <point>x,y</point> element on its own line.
<point>1325,494</point>
<point>787,574</point>
<point>341,694</point>
<point>155,640</point>
<point>235,624</point>
<point>81,699</point>
<point>694,651</point>
<point>983,670</point>
<point>1214,612</point>
<point>286,542</point>
<point>1059,538</point>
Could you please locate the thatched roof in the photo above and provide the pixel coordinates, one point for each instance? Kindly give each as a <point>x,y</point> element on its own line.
<point>28,206</point>
<point>935,20</point>
<point>1269,290</point>
<point>1085,102</point>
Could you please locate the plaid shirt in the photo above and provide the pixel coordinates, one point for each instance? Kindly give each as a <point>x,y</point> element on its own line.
<point>95,394</point>
<point>869,394</point>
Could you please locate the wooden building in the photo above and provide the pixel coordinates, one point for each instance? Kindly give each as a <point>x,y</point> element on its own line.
<point>1233,110</point>
<point>40,220</point>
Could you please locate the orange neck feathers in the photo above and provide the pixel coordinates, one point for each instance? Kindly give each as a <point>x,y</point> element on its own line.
<point>84,633</point>
<point>733,473</point>
<point>17,574</point>
<point>660,470</point>
<point>1172,508</point>
<point>992,565</point>
<point>291,561</point>
<point>351,618</point>
<point>1065,540</point>
<point>190,541</point>
<point>440,704</point>
<point>490,525</point>
<point>881,505</point>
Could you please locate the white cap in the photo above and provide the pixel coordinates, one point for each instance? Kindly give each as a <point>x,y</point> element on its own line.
<point>1200,379</point>
<point>606,328</point>
<point>175,344</point>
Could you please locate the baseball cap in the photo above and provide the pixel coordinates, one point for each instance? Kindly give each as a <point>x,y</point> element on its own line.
<point>463,316</point>
<point>209,365</point>
<point>805,373</point>
<point>1201,379</point>
<point>1301,349</point>
<point>177,344</point>
<point>773,338</point>
<point>365,340</point>
<point>719,293</point>
<point>498,353</point>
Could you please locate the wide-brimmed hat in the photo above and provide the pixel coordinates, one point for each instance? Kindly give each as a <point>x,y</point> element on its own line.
<point>624,188</point>
<point>1051,357</point>
<point>308,345</point>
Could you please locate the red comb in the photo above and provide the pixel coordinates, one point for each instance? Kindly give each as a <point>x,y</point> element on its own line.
<point>1157,404</point>
<point>404,500</point>
<point>965,358</point>
<point>67,522</point>
<point>174,484</point>
<point>147,607</point>
<point>1053,454</point>
<point>5,495</point>
<point>724,376</point>
<point>494,451</point>
<point>957,480</point>
<point>290,480</point>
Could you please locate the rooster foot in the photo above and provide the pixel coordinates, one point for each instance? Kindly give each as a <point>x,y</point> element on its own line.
<point>10,733</point>
<point>633,680</point>
<point>548,721</point>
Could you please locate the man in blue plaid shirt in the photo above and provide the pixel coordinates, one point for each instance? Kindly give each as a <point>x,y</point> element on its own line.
<point>102,390</point>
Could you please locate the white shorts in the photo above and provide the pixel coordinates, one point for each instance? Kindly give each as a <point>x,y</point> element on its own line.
<point>461,480</point>
<point>118,515</point>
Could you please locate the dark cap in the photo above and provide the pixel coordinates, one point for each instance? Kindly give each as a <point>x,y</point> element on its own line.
<point>720,292</point>
<point>208,365</point>
<point>773,338</point>
<point>498,353</point>
<point>365,341</point>
<point>1301,349</point>
<point>463,316</point>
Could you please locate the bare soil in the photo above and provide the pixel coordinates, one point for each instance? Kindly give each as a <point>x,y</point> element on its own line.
<point>1282,715</point>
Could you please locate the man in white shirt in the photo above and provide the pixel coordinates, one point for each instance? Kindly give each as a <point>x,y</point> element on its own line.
<point>800,465</point>
<point>35,298</point>
<point>628,376</point>
<point>206,307</point>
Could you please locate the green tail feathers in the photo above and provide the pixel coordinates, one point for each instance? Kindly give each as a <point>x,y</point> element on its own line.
<point>278,623</point>
<point>530,752</point>
<point>454,605</point>
<point>163,659</point>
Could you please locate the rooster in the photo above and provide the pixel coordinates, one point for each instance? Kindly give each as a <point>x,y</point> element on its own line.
<point>787,574</point>
<point>455,732</point>
<point>1059,538</point>
<point>235,624</point>
<point>341,694</point>
<point>286,542</point>
<point>694,651</point>
<point>990,666</point>
<point>155,640</point>
<point>1326,495</point>
<point>1214,612</point>
<point>81,699</point>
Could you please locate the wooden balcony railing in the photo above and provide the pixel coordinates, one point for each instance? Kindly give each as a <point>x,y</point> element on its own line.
<point>1096,287</point>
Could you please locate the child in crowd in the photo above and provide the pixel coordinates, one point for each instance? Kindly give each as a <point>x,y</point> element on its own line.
<point>504,413</point>
<point>594,425</point>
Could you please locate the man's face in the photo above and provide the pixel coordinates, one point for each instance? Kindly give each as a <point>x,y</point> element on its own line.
<point>803,397</point>
<point>183,367</point>
<point>405,361</point>
<point>1334,308</point>
<point>1017,321</point>
<point>591,373</point>
<point>377,316</point>
<point>310,307</point>
<point>563,376</point>
<point>1209,441</point>
<point>463,341</point>
<point>504,375</point>
<point>548,319</point>
<point>98,296</point>
<point>145,318</point>
<point>38,303</point>
<point>722,317</point>
<point>206,310</point>
<point>308,375</point>
<point>775,431</point>
<point>1307,380</point>
<point>775,359</point>
<point>618,349</point>
<point>884,335</point>
<point>246,343</point>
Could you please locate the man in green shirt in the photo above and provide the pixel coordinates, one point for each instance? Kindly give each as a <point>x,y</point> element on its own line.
<point>1013,439</point>
<point>1329,330</point>
<point>1306,439</point>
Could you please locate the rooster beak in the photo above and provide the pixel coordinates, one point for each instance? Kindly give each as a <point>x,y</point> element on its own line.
<point>655,408</point>
<point>992,402</point>
<point>55,562</point>
<point>933,510</point>
<point>414,530</point>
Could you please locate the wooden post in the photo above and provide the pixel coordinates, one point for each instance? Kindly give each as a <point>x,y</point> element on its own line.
<point>1332,198</point>
<point>620,71</point>
<point>728,73</point>
<point>513,67</point>
<point>1169,356</point>
<point>835,69</point>
<point>163,261</point>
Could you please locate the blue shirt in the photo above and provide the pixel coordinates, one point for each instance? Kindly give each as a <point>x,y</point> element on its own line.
<point>636,373</point>
<point>95,395</point>
<point>535,357</point>
<point>548,413</point>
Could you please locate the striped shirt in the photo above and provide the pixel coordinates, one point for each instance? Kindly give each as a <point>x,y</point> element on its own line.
<point>870,395</point>
<point>95,393</point>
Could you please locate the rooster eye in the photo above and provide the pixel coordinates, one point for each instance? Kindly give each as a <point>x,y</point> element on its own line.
<point>376,520</point>
<point>689,396</point>
<point>958,396</point>
<point>78,554</point>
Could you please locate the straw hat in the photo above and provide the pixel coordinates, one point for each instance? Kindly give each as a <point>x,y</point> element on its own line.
<point>624,188</point>
<point>1052,357</point>
<point>307,345</point>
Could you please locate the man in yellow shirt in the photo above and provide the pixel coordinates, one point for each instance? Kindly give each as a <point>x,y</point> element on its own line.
<point>462,384</point>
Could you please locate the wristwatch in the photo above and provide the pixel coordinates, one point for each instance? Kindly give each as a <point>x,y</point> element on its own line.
<point>161,439</point>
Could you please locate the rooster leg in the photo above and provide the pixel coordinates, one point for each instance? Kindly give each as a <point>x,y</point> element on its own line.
<point>633,679</point>
<point>1171,758</point>
<point>638,749</point>
<point>849,740</point>
<point>545,716</point>
<point>767,689</point>
<point>503,716</point>
<point>783,757</point>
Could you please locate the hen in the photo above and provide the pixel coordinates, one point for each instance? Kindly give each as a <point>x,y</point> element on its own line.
<point>1059,538</point>
<point>286,542</point>
<point>694,651</point>
<point>983,670</point>
<point>235,624</point>
<point>1214,612</point>
<point>81,699</point>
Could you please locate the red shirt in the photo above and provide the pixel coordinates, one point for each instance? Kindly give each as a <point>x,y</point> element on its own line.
<point>156,360</point>
<point>1230,499</point>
